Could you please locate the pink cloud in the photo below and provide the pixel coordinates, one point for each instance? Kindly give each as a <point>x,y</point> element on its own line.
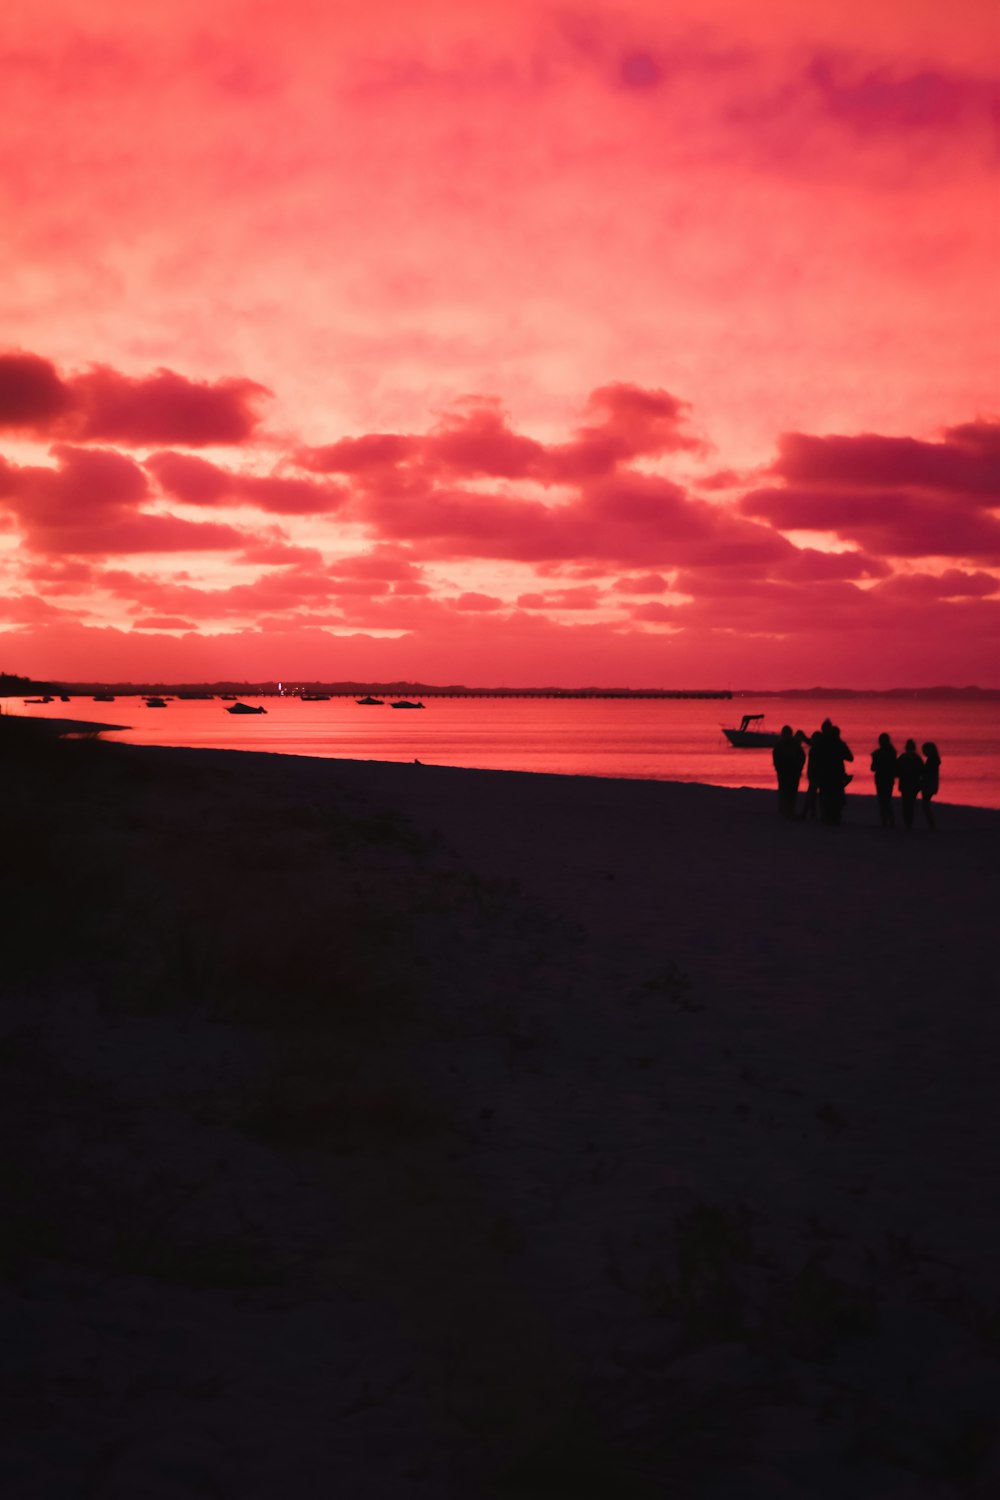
<point>32,396</point>
<point>891,644</point>
<point>163,622</point>
<point>838,105</point>
<point>281,495</point>
<point>194,480</point>
<point>163,595</point>
<point>279,590</point>
<point>807,564</point>
<point>89,505</point>
<point>26,609</point>
<point>475,440</point>
<point>655,613</point>
<point>198,482</point>
<point>93,485</point>
<point>636,422</point>
<point>893,523</point>
<point>579,598</point>
<point>407,588</point>
<point>366,554</point>
<point>967,462</point>
<point>478,602</point>
<point>59,575</point>
<point>953,583</point>
<point>165,408</point>
<point>867,99</point>
<point>630,518</point>
<point>376,450</point>
<point>645,583</point>
<point>103,405</point>
<point>382,562</point>
<point>364,588</point>
<point>289,591</point>
<point>277,553</point>
<point>143,533</point>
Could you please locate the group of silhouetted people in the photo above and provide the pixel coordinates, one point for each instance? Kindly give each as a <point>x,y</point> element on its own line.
<point>824,757</point>
<point>916,776</point>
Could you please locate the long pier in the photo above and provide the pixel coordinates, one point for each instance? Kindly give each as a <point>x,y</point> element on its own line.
<point>296,689</point>
<point>552,693</point>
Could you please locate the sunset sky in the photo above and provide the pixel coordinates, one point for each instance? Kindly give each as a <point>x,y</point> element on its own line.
<point>509,343</point>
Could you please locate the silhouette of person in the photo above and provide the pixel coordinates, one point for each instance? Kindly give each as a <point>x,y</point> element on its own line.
<point>832,778</point>
<point>910,771</point>
<point>884,770</point>
<point>789,758</point>
<point>931,779</point>
<point>814,741</point>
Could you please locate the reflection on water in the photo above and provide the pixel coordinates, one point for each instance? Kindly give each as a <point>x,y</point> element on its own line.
<point>658,739</point>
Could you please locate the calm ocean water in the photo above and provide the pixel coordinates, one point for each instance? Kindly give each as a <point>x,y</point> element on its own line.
<point>659,739</point>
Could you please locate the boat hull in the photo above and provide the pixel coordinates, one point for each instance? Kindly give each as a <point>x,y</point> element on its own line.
<point>751,739</point>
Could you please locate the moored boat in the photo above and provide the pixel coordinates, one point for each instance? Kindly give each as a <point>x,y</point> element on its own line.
<point>245,708</point>
<point>156,702</point>
<point>746,738</point>
<point>369,701</point>
<point>405,703</point>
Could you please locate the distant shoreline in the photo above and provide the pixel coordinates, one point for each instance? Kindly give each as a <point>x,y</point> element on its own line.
<point>19,687</point>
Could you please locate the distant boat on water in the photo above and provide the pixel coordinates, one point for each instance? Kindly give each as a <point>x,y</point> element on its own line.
<point>37,700</point>
<point>370,702</point>
<point>245,708</point>
<point>104,697</point>
<point>746,738</point>
<point>315,697</point>
<point>405,703</point>
<point>156,702</point>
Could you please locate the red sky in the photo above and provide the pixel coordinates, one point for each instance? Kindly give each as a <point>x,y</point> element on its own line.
<point>511,343</point>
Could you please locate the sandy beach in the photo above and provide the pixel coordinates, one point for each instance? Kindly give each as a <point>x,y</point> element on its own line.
<point>385,1130</point>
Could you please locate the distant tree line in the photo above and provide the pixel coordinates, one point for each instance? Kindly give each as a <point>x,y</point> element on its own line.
<point>12,686</point>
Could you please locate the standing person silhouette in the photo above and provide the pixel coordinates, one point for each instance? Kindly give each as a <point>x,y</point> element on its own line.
<point>833,777</point>
<point>815,741</point>
<point>910,771</point>
<point>931,779</point>
<point>884,770</point>
<point>789,758</point>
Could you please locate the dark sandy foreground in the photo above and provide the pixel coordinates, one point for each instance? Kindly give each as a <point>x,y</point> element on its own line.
<point>381,1130</point>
